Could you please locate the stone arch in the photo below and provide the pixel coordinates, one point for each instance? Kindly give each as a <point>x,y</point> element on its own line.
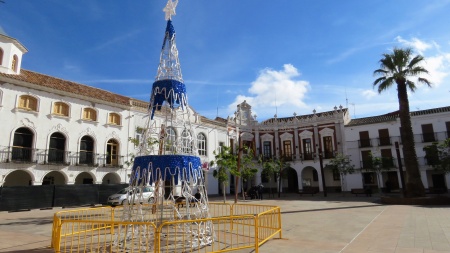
<point>19,178</point>
<point>54,178</point>
<point>85,178</point>
<point>310,177</point>
<point>290,180</point>
<point>111,178</point>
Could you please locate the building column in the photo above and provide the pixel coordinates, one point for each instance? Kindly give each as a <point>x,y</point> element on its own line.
<point>316,140</point>
<point>257,143</point>
<point>297,144</point>
<point>277,144</point>
<point>423,176</point>
<point>337,126</point>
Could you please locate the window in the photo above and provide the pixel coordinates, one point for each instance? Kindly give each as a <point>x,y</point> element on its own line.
<point>387,161</point>
<point>170,140</point>
<point>366,156</point>
<point>89,114</point>
<point>56,149</point>
<point>336,175</point>
<point>447,126</point>
<point>315,175</point>
<point>1,56</point>
<point>307,149</point>
<point>15,63</point>
<point>28,103</point>
<point>384,139</point>
<point>364,140</point>
<point>428,133</point>
<point>112,153</point>
<point>23,141</point>
<point>328,147</point>
<point>267,149</point>
<point>201,144</point>
<point>86,150</point>
<point>114,119</point>
<point>61,109</point>
<point>287,149</point>
<point>186,141</point>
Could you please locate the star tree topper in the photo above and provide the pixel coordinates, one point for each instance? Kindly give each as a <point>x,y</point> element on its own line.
<point>170,9</point>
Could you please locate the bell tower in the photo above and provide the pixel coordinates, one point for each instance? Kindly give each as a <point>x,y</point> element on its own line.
<point>11,52</point>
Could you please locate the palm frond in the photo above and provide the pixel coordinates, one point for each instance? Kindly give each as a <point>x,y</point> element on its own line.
<point>425,81</point>
<point>411,85</point>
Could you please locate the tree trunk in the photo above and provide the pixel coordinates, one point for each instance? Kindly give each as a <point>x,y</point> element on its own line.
<point>414,185</point>
<point>224,192</point>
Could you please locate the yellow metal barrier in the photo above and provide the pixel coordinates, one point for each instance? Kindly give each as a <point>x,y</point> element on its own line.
<point>235,227</point>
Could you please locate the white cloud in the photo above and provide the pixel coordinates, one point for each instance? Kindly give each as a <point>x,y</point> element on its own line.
<point>418,45</point>
<point>438,68</point>
<point>275,89</point>
<point>369,94</point>
<point>437,63</point>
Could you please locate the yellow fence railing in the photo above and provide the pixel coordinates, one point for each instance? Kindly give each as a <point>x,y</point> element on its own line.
<point>231,227</point>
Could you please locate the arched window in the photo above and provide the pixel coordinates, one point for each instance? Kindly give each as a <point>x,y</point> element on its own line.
<point>15,63</point>
<point>89,114</point>
<point>114,119</point>
<point>186,140</point>
<point>61,109</point>
<point>22,145</point>
<point>1,56</point>
<point>201,144</point>
<point>27,102</point>
<point>112,153</point>
<point>170,142</point>
<point>87,150</point>
<point>56,148</point>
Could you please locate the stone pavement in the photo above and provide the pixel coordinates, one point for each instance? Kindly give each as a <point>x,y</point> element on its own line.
<point>313,224</point>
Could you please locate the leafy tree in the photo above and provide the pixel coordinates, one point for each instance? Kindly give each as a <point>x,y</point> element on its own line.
<point>275,167</point>
<point>438,155</point>
<point>248,168</point>
<point>378,165</point>
<point>226,163</point>
<point>342,164</point>
<point>398,68</point>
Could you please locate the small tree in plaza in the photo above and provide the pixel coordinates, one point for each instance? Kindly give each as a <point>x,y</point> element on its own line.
<point>342,164</point>
<point>379,165</point>
<point>274,167</point>
<point>248,168</point>
<point>438,156</point>
<point>226,163</point>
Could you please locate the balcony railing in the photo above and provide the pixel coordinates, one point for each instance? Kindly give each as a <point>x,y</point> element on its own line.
<point>363,143</point>
<point>59,157</point>
<point>384,141</point>
<point>386,163</point>
<point>429,137</point>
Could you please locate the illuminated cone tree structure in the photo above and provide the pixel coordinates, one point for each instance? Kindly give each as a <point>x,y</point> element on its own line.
<point>168,163</point>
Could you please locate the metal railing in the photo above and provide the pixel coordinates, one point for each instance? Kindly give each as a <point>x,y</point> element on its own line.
<point>236,227</point>
<point>16,154</point>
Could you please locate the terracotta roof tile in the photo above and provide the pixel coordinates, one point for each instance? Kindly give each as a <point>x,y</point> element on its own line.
<point>392,116</point>
<point>68,86</point>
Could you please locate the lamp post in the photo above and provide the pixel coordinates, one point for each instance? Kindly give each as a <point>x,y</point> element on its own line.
<point>322,173</point>
<point>400,169</point>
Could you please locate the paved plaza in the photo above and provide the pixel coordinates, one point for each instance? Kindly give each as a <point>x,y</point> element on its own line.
<point>316,224</point>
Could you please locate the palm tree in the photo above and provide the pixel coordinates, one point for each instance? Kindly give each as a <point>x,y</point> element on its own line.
<point>397,67</point>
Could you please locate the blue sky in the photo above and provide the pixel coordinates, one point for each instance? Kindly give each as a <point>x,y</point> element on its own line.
<point>282,56</point>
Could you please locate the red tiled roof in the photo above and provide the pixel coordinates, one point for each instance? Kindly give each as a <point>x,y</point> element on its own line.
<point>68,86</point>
<point>393,116</point>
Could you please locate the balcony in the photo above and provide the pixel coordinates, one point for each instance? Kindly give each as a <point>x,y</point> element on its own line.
<point>59,157</point>
<point>308,156</point>
<point>384,141</point>
<point>429,137</point>
<point>329,154</point>
<point>363,143</point>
